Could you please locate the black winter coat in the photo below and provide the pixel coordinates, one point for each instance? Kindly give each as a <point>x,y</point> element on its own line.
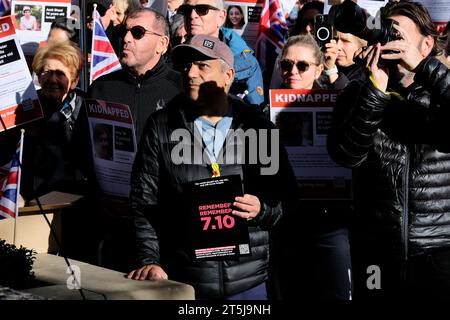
<point>47,161</point>
<point>160,214</point>
<point>144,95</point>
<point>399,151</point>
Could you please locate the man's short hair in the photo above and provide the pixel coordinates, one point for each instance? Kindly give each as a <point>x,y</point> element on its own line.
<point>421,18</point>
<point>159,23</point>
<point>219,4</point>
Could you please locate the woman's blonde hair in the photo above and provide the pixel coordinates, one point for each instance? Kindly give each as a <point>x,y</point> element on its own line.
<point>66,52</point>
<point>126,6</point>
<point>304,40</point>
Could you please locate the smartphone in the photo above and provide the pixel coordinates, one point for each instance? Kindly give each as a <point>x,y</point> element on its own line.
<point>323,30</point>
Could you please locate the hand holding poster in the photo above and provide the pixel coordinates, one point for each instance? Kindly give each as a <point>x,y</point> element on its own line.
<point>304,118</point>
<point>19,102</point>
<point>216,232</point>
<point>113,145</point>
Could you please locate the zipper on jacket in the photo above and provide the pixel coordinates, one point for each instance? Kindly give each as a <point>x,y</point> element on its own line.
<point>405,206</point>
<point>221,290</point>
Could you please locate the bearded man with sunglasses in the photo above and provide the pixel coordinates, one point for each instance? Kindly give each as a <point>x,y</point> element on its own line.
<point>145,83</point>
<point>207,17</point>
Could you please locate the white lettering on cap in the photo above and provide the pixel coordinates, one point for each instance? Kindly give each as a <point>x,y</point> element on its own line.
<point>208,44</point>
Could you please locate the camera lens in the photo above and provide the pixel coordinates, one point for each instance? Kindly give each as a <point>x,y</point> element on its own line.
<point>323,33</point>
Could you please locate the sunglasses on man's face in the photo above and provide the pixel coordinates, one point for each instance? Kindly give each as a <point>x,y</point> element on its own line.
<point>200,9</point>
<point>302,66</point>
<point>138,32</point>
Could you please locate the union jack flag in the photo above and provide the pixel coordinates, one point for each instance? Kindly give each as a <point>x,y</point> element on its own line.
<point>5,5</point>
<point>10,186</point>
<point>272,32</point>
<point>103,57</point>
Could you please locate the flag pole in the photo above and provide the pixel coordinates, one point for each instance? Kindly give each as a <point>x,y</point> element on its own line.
<point>19,173</point>
<point>91,68</point>
<point>83,27</point>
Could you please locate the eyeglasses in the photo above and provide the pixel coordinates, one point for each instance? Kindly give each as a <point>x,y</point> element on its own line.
<point>200,9</point>
<point>302,66</point>
<point>138,32</point>
<point>58,73</point>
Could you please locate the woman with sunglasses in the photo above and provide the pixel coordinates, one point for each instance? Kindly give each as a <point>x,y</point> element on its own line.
<point>324,243</point>
<point>301,63</point>
<point>303,25</point>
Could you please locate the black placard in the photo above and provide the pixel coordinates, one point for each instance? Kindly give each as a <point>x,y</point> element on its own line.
<point>215,232</point>
<point>254,14</point>
<point>123,139</point>
<point>8,52</point>
<point>53,12</point>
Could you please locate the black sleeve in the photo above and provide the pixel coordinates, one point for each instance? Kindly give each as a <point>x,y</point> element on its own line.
<point>435,76</point>
<point>144,195</point>
<point>356,119</point>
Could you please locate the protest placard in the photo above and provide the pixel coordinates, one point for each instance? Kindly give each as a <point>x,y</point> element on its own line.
<point>33,19</point>
<point>113,145</point>
<point>304,118</point>
<point>19,102</point>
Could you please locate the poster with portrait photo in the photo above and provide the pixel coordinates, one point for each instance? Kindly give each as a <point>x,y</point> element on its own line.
<point>244,17</point>
<point>33,19</point>
<point>113,141</point>
<point>28,18</point>
<point>304,118</point>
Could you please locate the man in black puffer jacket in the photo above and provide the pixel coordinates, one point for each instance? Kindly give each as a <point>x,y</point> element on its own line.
<point>160,215</point>
<point>397,143</point>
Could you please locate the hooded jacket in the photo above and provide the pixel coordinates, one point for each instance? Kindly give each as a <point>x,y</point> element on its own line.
<point>248,74</point>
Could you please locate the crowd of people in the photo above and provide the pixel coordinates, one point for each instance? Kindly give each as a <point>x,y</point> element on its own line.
<point>184,67</point>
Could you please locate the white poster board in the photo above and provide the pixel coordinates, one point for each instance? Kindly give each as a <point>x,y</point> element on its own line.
<point>33,27</point>
<point>304,118</point>
<point>19,102</point>
<point>113,145</point>
<point>249,27</point>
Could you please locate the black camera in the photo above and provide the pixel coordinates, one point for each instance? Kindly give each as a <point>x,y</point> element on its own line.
<point>323,30</point>
<point>348,17</point>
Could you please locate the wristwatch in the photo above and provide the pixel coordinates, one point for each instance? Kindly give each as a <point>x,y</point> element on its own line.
<point>331,71</point>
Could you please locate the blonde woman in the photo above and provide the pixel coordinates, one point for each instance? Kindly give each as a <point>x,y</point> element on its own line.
<point>301,63</point>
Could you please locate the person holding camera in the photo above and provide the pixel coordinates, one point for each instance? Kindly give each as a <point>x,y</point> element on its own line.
<point>392,130</point>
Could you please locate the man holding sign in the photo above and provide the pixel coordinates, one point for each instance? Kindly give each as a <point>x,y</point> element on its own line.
<point>201,119</point>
